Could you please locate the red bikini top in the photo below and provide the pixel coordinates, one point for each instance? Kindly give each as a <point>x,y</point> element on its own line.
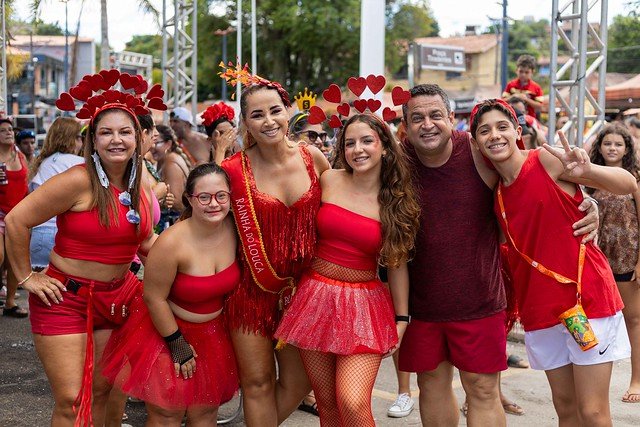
<point>347,238</point>
<point>204,294</point>
<point>81,236</point>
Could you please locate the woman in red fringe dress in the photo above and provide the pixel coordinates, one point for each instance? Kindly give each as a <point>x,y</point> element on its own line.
<point>342,317</point>
<point>275,196</point>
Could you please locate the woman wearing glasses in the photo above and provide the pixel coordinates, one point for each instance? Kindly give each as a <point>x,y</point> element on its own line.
<point>301,131</point>
<point>104,219</point>
<point>175,353</point>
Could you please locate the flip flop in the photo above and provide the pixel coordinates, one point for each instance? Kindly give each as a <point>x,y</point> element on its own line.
<point>464,409</point>
<point>513,408</point>
<point>631,397</point>
<point>311,409</point>
<point>15,311</point>
<point>517,362</point>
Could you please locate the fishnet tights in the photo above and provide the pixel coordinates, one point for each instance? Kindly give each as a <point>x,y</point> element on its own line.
<point>342,386</point>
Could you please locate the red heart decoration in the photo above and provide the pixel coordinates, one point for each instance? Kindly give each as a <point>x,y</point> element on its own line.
<point>141,111</point>
<point>110,76</point>
<point>65,102</point>
<point>360,105</point>
<point>376,83</point>
<point>156,104</point>
<point>373,105</point>
<point>141,88</point>
<point>155,92</point>
<point>132,101</point>
<point>97,82</point>
<point>388,114</point>
<point>81,93</point>
<point>111,95</point>
<point>357,85</point>
<point>316,115</point>
<point>335,122</point>
<point>83,113</point>
<point>332,94</point>
<point>400,96</point>
<point>86,78</point>
<point>344,109</point>
<point>128,81</point>
<point>96,101</point>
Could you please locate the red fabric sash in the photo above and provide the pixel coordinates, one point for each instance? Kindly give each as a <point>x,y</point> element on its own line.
<point>250,235</point>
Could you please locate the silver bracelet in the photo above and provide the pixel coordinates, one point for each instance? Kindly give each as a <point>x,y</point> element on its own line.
<point>23,281</point>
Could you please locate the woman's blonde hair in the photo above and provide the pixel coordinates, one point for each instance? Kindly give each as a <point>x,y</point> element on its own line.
<point>61,138</point>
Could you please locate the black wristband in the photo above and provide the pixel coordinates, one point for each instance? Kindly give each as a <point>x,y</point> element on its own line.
<point>174,336</point>
<point>403,319</point>
<point>180,350</point>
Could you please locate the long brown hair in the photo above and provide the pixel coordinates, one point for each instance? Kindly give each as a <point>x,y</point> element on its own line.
<point>399,209</point>
<point>103,198</point>
<point>629,161</point>
<point>61,138</point>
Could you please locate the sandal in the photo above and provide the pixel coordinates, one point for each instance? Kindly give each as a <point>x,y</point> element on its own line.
<point>517,362</point>
<point>15,311</point>
<point>309,408</point>
<point>464,408</point>
<point>631,397</point>
<point>513,408</point>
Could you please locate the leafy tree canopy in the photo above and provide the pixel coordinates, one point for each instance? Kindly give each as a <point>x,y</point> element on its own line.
<point>623,48</point>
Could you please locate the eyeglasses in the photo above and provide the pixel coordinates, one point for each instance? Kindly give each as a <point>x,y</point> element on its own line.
<point>221,197</point>
<point>313,135</point>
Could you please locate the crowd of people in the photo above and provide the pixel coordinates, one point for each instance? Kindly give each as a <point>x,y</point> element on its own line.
<point>287,256</point>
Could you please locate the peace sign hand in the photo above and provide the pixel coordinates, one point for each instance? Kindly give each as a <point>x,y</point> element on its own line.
<point>575,161</point>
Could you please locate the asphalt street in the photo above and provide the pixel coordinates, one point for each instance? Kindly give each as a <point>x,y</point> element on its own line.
<point>25,398</point>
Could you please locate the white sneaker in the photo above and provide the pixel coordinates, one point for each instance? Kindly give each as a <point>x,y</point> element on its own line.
<point>401,407</point>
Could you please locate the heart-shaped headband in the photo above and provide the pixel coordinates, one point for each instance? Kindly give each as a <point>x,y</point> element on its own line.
<point>95,90</point>
<point>357,86</point>
<point>235,73</point>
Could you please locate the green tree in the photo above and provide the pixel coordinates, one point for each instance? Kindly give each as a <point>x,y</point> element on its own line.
<point>149,44</point>
<point>406,21</point>
<point>623,48</point>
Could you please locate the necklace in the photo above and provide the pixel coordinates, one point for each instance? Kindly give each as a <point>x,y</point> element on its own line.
<point>12,157</point>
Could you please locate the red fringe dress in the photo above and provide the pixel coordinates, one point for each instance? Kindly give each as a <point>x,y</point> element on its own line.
<point>289,237</point>
<point>137,359</point>
<point>337,314</point>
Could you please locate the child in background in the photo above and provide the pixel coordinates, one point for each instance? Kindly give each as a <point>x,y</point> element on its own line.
<point>524,87</point>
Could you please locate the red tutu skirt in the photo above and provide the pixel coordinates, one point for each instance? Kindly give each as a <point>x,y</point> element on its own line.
<point>137,360</point>
<point>339,317</point>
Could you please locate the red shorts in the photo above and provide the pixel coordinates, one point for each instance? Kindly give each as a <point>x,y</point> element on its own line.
<point>109,307</point>
<point>478,346</point>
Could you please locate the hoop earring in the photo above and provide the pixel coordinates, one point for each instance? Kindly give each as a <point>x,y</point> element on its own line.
<point>102,176</point>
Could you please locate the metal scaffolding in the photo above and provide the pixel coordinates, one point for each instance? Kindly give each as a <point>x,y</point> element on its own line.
<point>133,63</point>
<point>175,70</point>
<point>3,64</point>
<point>584,44</point>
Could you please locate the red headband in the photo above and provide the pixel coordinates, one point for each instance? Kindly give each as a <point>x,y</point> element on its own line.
<point>216,111</point>
<point>357,86</point>
<point>474,113</point>
<point>109,98</point>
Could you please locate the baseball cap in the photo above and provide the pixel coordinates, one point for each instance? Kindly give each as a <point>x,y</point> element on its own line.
<point>182,113</point>
<point>24,134</point>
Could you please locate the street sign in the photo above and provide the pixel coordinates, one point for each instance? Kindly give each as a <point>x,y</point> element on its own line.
<point>444,58</point>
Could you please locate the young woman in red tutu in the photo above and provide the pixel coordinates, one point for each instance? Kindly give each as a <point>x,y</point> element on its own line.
<point>342,316</point>
<point>275,194</point>
<point>557,278</point>
<point>175,353</point>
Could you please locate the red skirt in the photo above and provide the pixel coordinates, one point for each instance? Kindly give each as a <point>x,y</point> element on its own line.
<point>137,360</point>
<point>339,317</point>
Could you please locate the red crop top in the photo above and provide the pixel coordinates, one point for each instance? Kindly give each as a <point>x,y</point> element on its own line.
<point>204,294</point>
<point>347,238</point>
<point>81,236</point>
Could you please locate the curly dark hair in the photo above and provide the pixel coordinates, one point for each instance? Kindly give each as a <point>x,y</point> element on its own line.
<point>629,161</point>
<point>399,209</point>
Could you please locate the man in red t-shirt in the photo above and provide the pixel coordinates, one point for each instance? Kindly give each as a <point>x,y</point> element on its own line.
<point>525,88</point>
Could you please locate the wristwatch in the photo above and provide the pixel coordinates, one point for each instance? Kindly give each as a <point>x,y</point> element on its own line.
<point>403,319</point>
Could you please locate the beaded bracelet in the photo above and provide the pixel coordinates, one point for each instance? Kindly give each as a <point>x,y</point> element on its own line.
<point>23,281</point>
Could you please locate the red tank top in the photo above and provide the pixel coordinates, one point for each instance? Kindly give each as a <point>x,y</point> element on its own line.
<point>455,273</point>
<point>540,216</point>
<point>288,232</point>
<point>81,236</point>
<point>16,189</point>
<point>204,294</point>
<point>347,238</point>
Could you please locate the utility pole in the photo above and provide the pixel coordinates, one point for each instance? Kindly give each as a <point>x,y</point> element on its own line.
<point>505,45</point>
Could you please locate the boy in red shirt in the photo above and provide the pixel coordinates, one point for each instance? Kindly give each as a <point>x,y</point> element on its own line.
<point>523,87</point>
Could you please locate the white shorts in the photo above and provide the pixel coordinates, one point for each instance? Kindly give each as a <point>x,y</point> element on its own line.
<point>554,347</point>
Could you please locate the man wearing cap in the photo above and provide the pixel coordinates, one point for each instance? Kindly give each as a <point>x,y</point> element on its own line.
<point>194,144</point>
<point>456,300</point>
<point>26,141</point>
